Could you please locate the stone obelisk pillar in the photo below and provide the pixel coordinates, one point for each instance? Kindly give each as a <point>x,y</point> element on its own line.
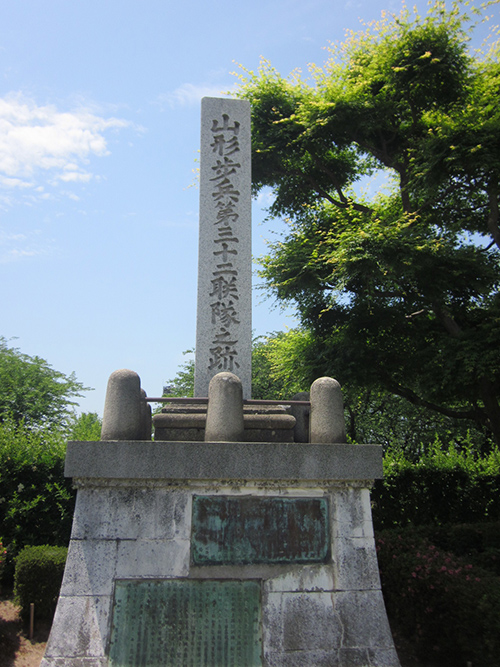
<point>224,324</point>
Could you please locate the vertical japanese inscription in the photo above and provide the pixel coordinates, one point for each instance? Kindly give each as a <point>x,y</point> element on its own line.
<point>223,334</point>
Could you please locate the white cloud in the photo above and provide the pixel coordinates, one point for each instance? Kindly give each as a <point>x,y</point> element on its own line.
<point>42,139</point>
<point>189,94</point>
<point>18,246</point>
<point>14,182</point>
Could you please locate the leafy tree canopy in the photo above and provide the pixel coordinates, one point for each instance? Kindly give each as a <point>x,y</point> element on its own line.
<point>31,391</point>
<point>399,290</point>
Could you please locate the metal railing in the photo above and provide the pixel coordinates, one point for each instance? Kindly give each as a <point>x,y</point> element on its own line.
<point>204,401</point>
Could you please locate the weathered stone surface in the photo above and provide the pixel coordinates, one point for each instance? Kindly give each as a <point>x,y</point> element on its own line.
<point>301,659</point>
<point>225,409</point>
<point>179,420</point>
<point>306,578</point>
<point>152,558</point>
<point>223,325</point>
<point>268,427</point>
<point>269,421</point>
<point>356,566</point>
<point>364,619</point>
<point>327,412</point>
<point>354,657</point>
<point>123,416</point>
<point>177,426</point>
<point>352,514</point>
<point>90,568</point>
<point>310,622</point>
<point>179,434</point>
<point>108,513</point>
<point>235,460</point>
<point>80,628</point>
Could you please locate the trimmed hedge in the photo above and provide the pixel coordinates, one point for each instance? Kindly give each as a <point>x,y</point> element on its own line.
<point>38,576</point>
<point>443,486</point>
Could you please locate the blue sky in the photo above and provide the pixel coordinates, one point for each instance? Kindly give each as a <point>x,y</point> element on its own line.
<point>99,133</point>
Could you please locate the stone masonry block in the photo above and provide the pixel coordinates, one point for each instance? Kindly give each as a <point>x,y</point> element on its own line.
<point>355,562</point>
<point>80,627</point>
<point>90,568</point>
<point>354,657</point>
<point>105,513</point>
<point>302,659</point>
<point>152,558</point>
<point>272,627</point>
<point>129,513</point>
<point>310,622</point>
<point>352,514</point>
<point>364,620</point>
<point>163,514</point>
<point>306,578</point>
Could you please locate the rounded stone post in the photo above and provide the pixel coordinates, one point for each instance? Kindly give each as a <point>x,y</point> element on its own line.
<point>327,412</point>
<point>123,416</point>
<point>225,409</point>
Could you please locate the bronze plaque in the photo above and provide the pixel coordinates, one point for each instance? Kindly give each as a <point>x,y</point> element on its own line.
<point>186,623</point>
<point>237,530</point>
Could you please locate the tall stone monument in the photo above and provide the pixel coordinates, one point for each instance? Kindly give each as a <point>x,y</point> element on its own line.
<point>224,317</point>
<point>234,539</point>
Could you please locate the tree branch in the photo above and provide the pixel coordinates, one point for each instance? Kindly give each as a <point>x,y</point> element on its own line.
<point>494,215</point>
<point>447,321</point>
<point>474,414</point>
<point>343,204</point>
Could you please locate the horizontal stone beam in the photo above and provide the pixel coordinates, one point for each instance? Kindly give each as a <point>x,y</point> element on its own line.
<point>226,460</point>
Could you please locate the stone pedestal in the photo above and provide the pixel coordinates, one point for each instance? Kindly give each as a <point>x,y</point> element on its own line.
<point>193,530</point>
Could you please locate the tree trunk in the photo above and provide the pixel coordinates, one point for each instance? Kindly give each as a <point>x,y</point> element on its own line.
<point>491,407</point>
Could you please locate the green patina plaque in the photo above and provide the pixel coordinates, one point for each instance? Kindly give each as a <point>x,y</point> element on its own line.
<point>236,530</point>
<point>186,623</point>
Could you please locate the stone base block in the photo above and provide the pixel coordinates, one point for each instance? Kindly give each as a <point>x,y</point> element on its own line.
<point>328,610</point>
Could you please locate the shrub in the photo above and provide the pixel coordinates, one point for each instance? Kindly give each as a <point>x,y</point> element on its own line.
<point>36,501</point>
<point>38,577</point>
<point>447,606</point>
<point>446,485</point>
<point>3,555</point>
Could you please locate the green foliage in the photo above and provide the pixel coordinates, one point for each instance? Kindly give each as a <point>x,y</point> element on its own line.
<point>445,485</point>
<point>401,291</point>
<point>36,500</point>
<point>282,365</point>
<point>382,418</point>
<point>38,577</point>
<point>32,392</point>
<point>447,606</point>
<point>86,426</point>
<point>182,385</point>
<point>3,556</point>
